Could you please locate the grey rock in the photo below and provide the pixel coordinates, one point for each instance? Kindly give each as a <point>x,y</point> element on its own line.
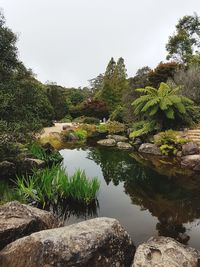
<point>123,145</point>
<point>100,242</point>
<point>191,162</point>
<point>30,163</point>
<point>7,169</point>
<point>18,220</point>
<point>165,252</point>
<point>179,154</point>
<point>107,142</point>
<point>190,148</point>
<point>117,138</point>
<point>150,149</point>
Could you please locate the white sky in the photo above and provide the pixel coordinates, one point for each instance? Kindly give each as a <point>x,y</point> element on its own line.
<point>71,41</point>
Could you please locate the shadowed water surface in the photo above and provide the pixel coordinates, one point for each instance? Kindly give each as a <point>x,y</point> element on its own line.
<point>146,203</point>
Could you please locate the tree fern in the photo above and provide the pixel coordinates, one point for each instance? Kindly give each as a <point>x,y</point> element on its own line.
<point>161,104</point>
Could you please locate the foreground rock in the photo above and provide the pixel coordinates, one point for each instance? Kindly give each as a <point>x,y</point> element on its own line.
<point>190,148</point>
<point>118,138</point>
<point>30,163</point>
<point>191,162</point>
<point>18,220</point>
<point>100,242</point>
<point>150,149</point>
<point>165,252</point>
<point>107,142</point>
<point>123,145</point>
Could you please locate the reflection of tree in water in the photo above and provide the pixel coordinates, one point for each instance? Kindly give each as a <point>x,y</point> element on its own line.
<point>116,165</point>
<point>173,201</point>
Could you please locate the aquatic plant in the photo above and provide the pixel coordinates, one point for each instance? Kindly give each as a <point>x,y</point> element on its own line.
<point>51,185</point>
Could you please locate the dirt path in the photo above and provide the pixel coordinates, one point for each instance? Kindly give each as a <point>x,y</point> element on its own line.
<point>57,128</point>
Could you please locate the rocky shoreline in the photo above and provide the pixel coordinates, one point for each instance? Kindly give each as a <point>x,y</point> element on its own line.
<point>33,237</point>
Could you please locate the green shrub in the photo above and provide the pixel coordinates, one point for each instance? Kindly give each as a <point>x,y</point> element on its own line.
<point>81,134</point>
<point>169,141</point>
<point>168,150</point>
<point>45,153</point>
<point>91,120</point>
<point>102,128</point>
<point>67,118</point>
<point>91,129</point>
<point>117,114</point>
<point>115,127</point>
<point>49,186</point>
<point>143,128</point>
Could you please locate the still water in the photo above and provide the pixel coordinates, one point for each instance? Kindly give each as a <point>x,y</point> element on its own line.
<point>145,202</point>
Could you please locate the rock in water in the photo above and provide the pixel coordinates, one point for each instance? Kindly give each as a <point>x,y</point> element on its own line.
<point>190,148</point>
<point>165,252</point>
<point>18,220</point>
<point>191,162</point>
<point>150,149</point>
<point>117,138</point>
<point>107,142</point>
<point>100,242</point>
<point>123,145</point>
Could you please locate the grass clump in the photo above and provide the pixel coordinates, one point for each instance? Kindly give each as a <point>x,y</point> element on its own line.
<point>51,185</point>
<point>46,153</point>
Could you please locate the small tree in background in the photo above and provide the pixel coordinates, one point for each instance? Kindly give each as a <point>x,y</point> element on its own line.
<point>162,73</point>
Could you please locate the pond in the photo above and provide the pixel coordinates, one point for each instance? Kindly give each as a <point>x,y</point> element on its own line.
<point>145,202</point>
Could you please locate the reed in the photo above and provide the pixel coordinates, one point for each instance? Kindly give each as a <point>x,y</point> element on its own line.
<point>51,185</point>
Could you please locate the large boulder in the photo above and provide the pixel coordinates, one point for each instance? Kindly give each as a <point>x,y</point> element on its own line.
<point>150,149</point>
<point>18,220</point>
<point>117,138</point>
<point>100,242</point>
<point>191,162</point>
<point>165,252</point>
<point>107,142</point>
<point>190,148</point>
<point>123,145</point>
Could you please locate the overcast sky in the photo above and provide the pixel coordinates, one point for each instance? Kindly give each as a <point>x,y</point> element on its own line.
<point>71,41</point>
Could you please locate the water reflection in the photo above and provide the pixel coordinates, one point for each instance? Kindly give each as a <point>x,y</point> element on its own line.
<point>173,200</point>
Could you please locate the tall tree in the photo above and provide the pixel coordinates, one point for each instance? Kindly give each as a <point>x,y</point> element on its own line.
<point>108,93</point>
<point>8,50</point>
<point>185,42</point>
<point>114,83</point>
<point>162,73</point>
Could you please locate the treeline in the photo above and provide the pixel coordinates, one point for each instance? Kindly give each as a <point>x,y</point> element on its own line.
<point>27,105</point>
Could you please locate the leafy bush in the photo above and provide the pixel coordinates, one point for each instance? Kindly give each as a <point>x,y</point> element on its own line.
<point>45,153</point>
<point>115,127</point>
<point>91,120</point>
<point>143,128</point>
<point>168,150</point>
<point>49,186</point>
<point>117,114</point>
<point>102,128</point>
<point>81,134</point>
<point>169,141</point>
<point>91,129</point>
<point>67,118</point>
